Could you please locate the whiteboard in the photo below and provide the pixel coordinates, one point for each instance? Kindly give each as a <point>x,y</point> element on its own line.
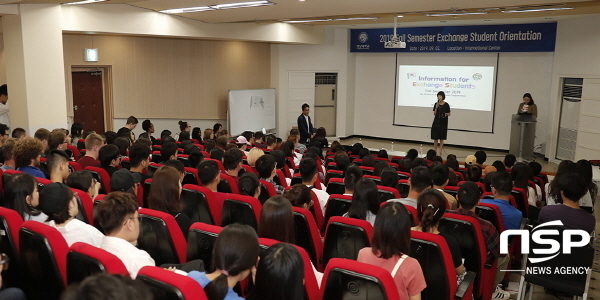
<point>251,110</point>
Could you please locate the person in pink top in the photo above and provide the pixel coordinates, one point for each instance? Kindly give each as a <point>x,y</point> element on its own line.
<point>391,240</point>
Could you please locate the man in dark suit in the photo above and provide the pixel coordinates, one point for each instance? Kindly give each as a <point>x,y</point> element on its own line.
<point>305,125</point>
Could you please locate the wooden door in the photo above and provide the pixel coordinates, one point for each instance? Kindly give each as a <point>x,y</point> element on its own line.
<point>88,100</point>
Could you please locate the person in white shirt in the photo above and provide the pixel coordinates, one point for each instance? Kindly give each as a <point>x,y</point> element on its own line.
<point>309,173</point>
<point>420,179</point>
<point>4,118</point>
<point>60,205</point>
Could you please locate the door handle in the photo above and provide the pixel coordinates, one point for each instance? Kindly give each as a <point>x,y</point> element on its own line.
<point>75,107</point>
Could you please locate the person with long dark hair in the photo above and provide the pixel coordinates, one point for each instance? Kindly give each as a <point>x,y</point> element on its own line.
<point>522,174</point>
<point>584,168</point>
<point>527,106</point>
<point>196,134</point>
<point>235,255</point>
<point>21,194</point>
<point>279,275</point>
<point>439,128</point>
<point>165,196</point>
<point>76,133</point>
<point>391,243</point>
<point>365,201</point>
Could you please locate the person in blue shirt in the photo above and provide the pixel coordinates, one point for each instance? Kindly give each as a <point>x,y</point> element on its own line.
<point>27,155</point>
<point>235,256</point>
<point>501,187</point>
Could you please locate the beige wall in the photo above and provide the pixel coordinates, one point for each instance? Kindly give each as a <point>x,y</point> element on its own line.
<point>172,78</point>
<point>2,62</point>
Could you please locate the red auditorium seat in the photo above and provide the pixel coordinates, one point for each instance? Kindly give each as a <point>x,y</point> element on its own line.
<point>308,236</point>
<point>43,252</point>
<point>239,209</point>
<point>201,241</point>
<point>219,163</point>
<point>521,200</point>
<point>489,195</point>
<point>161,237</point>
<point>145,192</point>
<point>336,186</point>
<point>80,144</point>
<point>387,193</point>
<point>191,176</point>
<point>267,191</point>
<point>228,185</point>
<point>10,223</point>
<point>403,187</point>
<point>337,206</point>
<point>171,285</point>
<point>85,206</point>
<point>333,174</point>
<point>479,184</point>
<point>85,260</point>
<point>346,279</point>
<point>344,237</point>
<point>435,258</point>
<point>6,176</point>
<point>101,176</point>
<point>200,204</point>
<point>280,178</point>
<point>74,150</point>
<point>311,287</point>
<point>125,163</point>
<point>75,166</point>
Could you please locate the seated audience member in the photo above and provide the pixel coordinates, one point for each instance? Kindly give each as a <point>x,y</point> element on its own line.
<point>184,127</point>
<point>58,165</point>
<point>320,139</point>
<point>343,162</point>
<point>7,150</point>
<point>288,151</point>
<point>419,180</point>
<point>109,158</point>
<point>499,165</point>
<point>249,185</point>
<point>165,196</point>
<point>356,148</point>
<point>391,242</point>
<point>470,160</point>
<point>143,142</point>
<point>300,196</point>
<point>521,174</point>
<point>279,275</point>
<point>584,168</point>
<point>168,151</point>
<point>453,164</point>
<point>225,133</point>
<point>389,177</point>
<point>235,255</point>
<point>535,167</point>
<point>217,153</point>
<point>243,143</point>
<point>265,166</point>
<point>335,146</point>
<point>57,140</point>
<point>368,161</point>
<point>365,201</point>
<point>438,159</point>
<point>178,165</point>
<point>19,133</point>
<point>501,188</point>
<point>27,156</point>
<point>4,135</point>
<point>309,173</point>
<point>93,143</point>
<point>125,181</point>
<point>60,205</point>
<point>351,178</point>
<point>139,158</point>
<point>184,136</point>
<point>487,170</point>
<point>42,135</point>
<point>379,166</point>
<point>217,129</point>
<point>232,161</point>
<point>222,142</point>
<point>76,133</point>
<point>110,137</point>
<point>188,147</point>
<point>430,155</point>
<point>123,144</point>
<point>196,134</point>
<point>473,173</point>
<point>418,162</point>
<point>440,181</point>
<point>148,128</point>
<point>195,158</point>
<point>412,154</point>
<point>253,155</point>
<point>165,134</point>
<point>271,142</point>
<point>125,132</point>
<point>363,152</point>
<point>509,160</point>
<point>431,207</point>
<point>209,175</point>
<point>569,187</point>
<point>83,180</point>
<point>468,197</point>
<point>259,140</point>
<point>481,157</point>
<point>103,286</point>
<point>208,135</point>
<point>21,194</point>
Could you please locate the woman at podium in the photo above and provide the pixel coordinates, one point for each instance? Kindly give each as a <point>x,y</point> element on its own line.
<point>439,128</point>
<point>527,106</point>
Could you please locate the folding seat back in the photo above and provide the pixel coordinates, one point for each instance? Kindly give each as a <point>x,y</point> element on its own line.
<point>191,176</point>
<point>491,213</point>
<point>249,169</point>
<point>280,178</point>
<point>146,191</point>
<point>311,287</point>
<point>166,285</point>
<point>367,170</point>
<point>460,175</point>
<point>85,206</point>
<point>333,174</point>
<point>351,280</point>
<point>435,258</point>
<point>74,150</point>
<point>336,186</point>
<point>403,187</point>
<point>520,196</point>
<point>286,171</point>
<point>489,195</point>
<point>199,204</point>
<point>307,235</point>
<point>153,167</point>
<point>201,241</point>
<point>101,176</point>
<point>126,163</point>
<point>184,158</point>
<point>386,193</point>
<point>344,237</point>
<point>156,147</point>
<point>239,209</point>
<point>228,185</point>
<point>332,165</point>
<point>479,184</point>
<point>452,190</point>
<point>74,166</point>
<point>317,212</point>
<point>43,252</point>
<point>469,235</point>
<point>161,237</point>
<point>337,206</point>
<point>267,190</point>
<point>404,175</point>
<point>376,179</point>
<point>85,260</point>
<point>80,144</point>
<point>156,157</point>
<point>219,164</point>
<point>10,223</point>
<point>296,179</point>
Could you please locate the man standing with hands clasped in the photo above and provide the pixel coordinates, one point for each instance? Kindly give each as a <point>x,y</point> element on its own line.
<point>307,131</point>
<point>4,119</point>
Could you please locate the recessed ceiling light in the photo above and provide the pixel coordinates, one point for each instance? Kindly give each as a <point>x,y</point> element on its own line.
<point>84,2</point>
<point>399,16</point>
<point>306,21</point>
<point>536,9</point>
<point>217,6</point>
<point>456,14</point>
<point>352,19</point>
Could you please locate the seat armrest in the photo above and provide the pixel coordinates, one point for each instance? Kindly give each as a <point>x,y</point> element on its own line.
<point>465,286</point>
<point>489,262</point>
<point>524,222</point>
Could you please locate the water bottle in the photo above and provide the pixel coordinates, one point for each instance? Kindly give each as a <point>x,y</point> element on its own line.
<point>360,140</point>
<point>421,151</point>
<point>392,146</point>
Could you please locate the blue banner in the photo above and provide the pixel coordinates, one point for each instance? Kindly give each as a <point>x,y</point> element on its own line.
<point>540,37</point>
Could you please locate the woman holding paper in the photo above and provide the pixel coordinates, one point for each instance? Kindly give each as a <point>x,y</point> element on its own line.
<point>439,128</point>
<point>527,106</point>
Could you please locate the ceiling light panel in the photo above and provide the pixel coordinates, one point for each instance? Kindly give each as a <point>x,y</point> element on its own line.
<point>84,2</point>
<point>217,7</point>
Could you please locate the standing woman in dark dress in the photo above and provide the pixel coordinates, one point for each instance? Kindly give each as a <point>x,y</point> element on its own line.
<point>439,128</point>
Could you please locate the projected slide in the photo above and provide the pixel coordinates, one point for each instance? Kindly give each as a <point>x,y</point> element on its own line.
<point>466,87</point>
